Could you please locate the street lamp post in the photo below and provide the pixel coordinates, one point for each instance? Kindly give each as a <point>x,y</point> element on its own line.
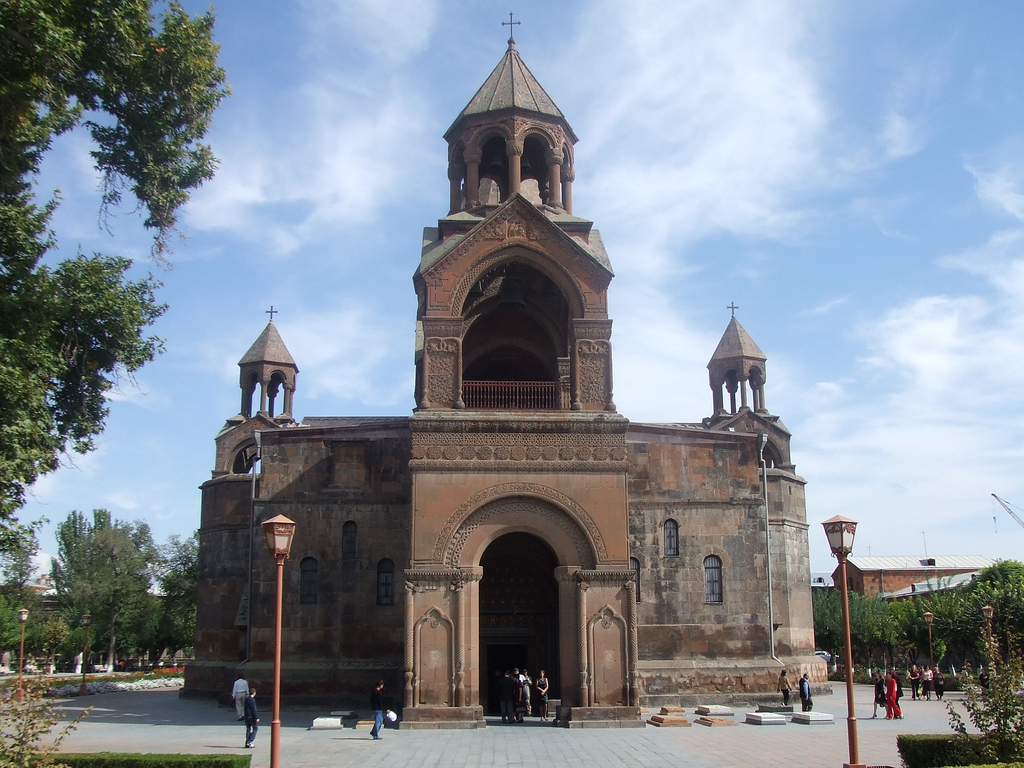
<point>86,621</point>
<point>279,531</point>
<point>988,610</point>
<point>840,532</point>
<point>929,617</point>
<point>19,694</point>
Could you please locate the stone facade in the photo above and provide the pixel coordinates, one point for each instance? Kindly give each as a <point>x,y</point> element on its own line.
<point>515,518</point>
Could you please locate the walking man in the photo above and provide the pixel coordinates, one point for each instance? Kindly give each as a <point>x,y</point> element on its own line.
<point>239,693</point>
<point>377,705</point>
<point>251,720</point>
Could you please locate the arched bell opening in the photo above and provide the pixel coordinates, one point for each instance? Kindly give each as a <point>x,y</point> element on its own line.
<point>518,612</point>
<point>277,380</point>
<point>249,384</point>
<point>494,171</point>
<point>534,170</point>
<point>515,348</point>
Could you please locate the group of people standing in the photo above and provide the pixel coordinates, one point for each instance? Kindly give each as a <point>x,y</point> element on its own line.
<point>516,691</point>
<point>806,702</point>
<point>924,682</point>
<point>888,692</point>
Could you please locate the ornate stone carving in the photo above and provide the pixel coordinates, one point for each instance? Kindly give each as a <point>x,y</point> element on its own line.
<point>570,451</point>
<point>572,513</point>
<point>593,366</point>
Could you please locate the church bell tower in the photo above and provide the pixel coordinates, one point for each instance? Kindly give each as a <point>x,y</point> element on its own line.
<point>518,457</point>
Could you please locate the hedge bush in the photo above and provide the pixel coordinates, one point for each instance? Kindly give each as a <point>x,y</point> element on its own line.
<point>939,750</point>
<point>126,760</point>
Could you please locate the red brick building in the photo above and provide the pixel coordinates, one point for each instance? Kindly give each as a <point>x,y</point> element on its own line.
<point>883,575</point>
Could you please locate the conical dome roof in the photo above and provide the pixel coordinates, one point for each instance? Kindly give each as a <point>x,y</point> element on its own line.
<point>736,343</point>
<point>268,348</point>
<point>511,86</point>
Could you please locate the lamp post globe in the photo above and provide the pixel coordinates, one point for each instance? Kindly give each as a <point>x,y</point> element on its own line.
<point>840,532</point>
<point>19,693</point>
<point>86,621</point>
<point>279,532</point>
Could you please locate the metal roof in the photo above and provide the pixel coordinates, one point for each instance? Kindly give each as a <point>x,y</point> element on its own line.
<point>908,562</point>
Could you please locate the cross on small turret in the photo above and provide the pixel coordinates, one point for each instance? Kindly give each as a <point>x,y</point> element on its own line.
<point>272,312</point>
<point>510,24</point>
<point>733,307</point>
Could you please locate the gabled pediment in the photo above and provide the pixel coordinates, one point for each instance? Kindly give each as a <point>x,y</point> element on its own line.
<point>450,267</point>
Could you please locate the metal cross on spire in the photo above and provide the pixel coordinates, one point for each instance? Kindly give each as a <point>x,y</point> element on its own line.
<point>733,307</point>
<point>272,312</point>
<point>510,24</point>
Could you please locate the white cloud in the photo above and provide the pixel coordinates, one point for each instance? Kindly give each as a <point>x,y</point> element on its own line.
<point>1001,188</point>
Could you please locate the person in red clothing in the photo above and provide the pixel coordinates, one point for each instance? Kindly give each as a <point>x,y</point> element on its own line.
<point>892,705</point>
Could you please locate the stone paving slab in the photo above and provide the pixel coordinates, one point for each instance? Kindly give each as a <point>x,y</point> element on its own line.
<point>813,718</point>
<point>714,710</point>
<point>765,718</point>
<point>158,721</point>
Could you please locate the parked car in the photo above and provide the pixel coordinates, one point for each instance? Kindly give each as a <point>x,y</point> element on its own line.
<point>824,655</point>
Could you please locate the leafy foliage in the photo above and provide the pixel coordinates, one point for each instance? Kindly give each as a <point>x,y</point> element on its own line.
<point>105,568</point>
<point>27,739</point>
<point>996,710</point>
<point>145,91</point>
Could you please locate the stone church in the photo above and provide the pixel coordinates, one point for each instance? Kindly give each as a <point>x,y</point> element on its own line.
<point>515,518</point>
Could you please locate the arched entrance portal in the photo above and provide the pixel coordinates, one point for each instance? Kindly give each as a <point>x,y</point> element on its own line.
<point>518,611</point>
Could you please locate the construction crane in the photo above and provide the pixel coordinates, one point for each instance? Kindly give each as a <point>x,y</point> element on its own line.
<point>1006,505</point>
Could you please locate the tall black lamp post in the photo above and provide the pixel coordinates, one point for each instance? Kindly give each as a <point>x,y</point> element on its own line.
<point>19,694</point>
<point>279,531</point>
<point>86,621</point>
<point>840,532</point>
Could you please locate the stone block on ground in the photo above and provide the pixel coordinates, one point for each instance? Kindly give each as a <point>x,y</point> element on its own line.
<point>668,721</point>
<point>774,708</point>
<point>765,718</point>
<point>326,724</point>
<point>714,710</point>
<point>813,718</point>
<point>712,722</point>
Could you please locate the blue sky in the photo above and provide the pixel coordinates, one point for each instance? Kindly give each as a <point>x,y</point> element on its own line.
<point>851,175</point>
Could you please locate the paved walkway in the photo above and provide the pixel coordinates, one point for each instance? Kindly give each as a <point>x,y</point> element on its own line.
<point>158,721</point>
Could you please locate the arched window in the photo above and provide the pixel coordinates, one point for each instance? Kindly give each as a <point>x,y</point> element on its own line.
<point>634,566</point>
<point>385,582</point>
<point>671,538</point>
<point>712,579</point>
<point>348,540</point>
<point>309,583</point>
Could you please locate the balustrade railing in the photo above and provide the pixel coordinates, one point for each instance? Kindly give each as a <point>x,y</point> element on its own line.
<point>510,395</point>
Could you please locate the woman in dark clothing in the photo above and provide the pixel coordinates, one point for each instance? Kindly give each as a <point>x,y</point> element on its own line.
<point>879,693</point>
<point>939,683</point>
<point>519,702</point>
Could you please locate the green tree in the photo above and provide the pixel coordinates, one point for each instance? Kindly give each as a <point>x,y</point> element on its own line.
<point>828,621</point>
<point>145,91</point>
<point>179,585</point>
<point>997,710</point>
<point>105,568</point>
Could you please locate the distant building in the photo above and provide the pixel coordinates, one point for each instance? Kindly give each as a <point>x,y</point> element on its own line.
<point>822,581</point>
<point>883,575</point>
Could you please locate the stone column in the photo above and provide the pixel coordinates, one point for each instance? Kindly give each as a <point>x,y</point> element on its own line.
<point>458,585</point>
<point>634,654</point>
<point>289,393</point>
<point>568,174</point>
<point>554,180</point>
<point>515,157</point>
<point>581,642</point>
<point>410,673</point>
<point>472,178</point>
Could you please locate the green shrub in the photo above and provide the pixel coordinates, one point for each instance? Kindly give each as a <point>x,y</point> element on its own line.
<point>125,760</point>
<point>938,750</point>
